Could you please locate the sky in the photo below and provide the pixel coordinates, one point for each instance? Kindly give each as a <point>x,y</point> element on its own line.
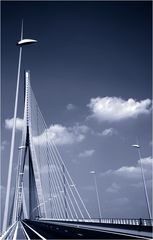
<point>91,75</point>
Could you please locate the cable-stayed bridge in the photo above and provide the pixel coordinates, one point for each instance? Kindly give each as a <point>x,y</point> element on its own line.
<point>53,207</point>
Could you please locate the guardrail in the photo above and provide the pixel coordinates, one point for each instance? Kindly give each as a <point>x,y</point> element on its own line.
<point>121,221</point>
<point>7,232</point>
<point>124,221</point>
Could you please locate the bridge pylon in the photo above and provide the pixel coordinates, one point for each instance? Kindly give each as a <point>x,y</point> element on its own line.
<point>27,156</point>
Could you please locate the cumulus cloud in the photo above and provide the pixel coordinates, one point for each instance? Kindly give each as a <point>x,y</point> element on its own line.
<point>140,184</point>
<point>62,135</point>
<point>87,153</point>
<point>114,188</point>
<point>19,123</point>
<point>70,107</point>
<point>2,188</point>
<point>147,162</point>
<point>133,172</point>
<point>121,201</point>
<point>128,171</point>
<point>108,132</point>
<point>3,145</point>
<point>116,109</point>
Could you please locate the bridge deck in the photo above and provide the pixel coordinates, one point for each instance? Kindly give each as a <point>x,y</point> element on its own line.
<point>46,229</point>
<point>121,231</point>
<point>20,232</point>
<point>85,231</point>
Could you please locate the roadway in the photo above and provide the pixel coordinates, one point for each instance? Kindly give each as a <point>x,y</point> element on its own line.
<point>58,230</point>
<point>46,229</point>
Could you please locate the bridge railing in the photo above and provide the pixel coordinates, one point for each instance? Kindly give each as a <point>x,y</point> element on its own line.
<point>120,221</point>
<point>126,221</point>
<point>8,231</point>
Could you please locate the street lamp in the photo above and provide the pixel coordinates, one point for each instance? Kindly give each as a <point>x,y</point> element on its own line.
<point>72,185</point>
<point>65,190</point>
<point>143,179</point>
<point>38,206</point>
<point>21,147</point>
<point>97,194</point>
<point>51,206</point>
<point>26,42</point>
<point>20,44</point>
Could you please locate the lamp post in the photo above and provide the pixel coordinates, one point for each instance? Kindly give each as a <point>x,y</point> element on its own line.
<point>38,206</point>
<point>51,205</point>
<point>143,179</point>
<point>97,194</point>
<point>6,209</point>
<point>65,190</point>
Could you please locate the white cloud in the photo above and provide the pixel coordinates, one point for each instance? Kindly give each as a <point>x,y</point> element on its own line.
<point>3,145</point>
<point>116,109</point>
<point>108,132</point>
<point>114,188</point>
<point>62,135</point>
<point>133,172</point>
<point>121,201</point>
<point>2,188</point>
<point>128,171</point>
<point>19,123</point>
<point>106,173</point>
<point>70,107</point>
<point>147,162</point>
<point>87,153</point>
<point>140,184</point>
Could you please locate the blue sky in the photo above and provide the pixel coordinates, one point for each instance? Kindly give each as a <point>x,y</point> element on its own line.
<point>91,75</point>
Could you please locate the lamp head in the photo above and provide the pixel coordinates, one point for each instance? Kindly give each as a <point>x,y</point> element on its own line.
<point>21,147</point>
<point>26,42</point>
<point>136,146</point>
